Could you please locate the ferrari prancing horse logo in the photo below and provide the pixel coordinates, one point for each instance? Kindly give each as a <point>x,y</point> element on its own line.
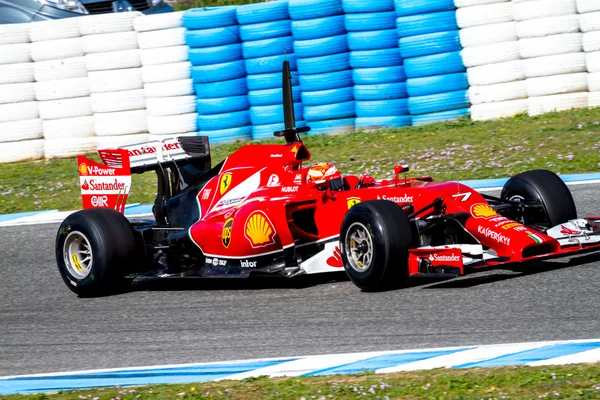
<point>225,182</point>
<point>352,201</point>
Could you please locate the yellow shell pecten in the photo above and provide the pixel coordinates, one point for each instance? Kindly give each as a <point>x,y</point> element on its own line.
<point>259,230</point>
<point>483,210</point>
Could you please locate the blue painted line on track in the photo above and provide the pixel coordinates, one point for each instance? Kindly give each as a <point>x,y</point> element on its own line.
<point>183,374</point>
<point>9,217</point>
<point>383,361</point>
<point>528,356</point>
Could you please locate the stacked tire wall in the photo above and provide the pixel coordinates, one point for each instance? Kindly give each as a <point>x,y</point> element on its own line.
<point>71,86</point>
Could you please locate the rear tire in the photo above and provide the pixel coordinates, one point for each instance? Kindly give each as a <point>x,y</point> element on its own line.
<point>547,187</point>
<point>374,240</point>
<point>95,252</point>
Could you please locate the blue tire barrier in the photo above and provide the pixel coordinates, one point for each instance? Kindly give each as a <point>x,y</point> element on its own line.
<point>373,40</point>
<point>375,58</point>
<point>436,84</point>
<point>438,102</point>
<point>265,30</point>
<point>309,9</point>
<point>308,29</point>
<point>375,76</point>
<point>230,135</point>
<point>321,97</point>
<point>443,116</point>
<point>362,6</point>
<point>268,97</point>
<point>437,64</point>
<point>213,37</point>
<point>198,18</point>
<point>261,132</point>
<point>414,7</point>
<point>234,87</point>
<point>215,55</point>
<point>264,115</point>
<point>319,65</point>
<point>427,23</point>
<point>330,80</point>
<point>384,91</point>
<point>267,81</point>
<point>431,43</point>
<point>329,111</point>
<point>383,122</point>
<point>331,126</point>
<point>370,22</point>
<point>265,65</point>
<point>381,108</point>
<point>321,47</point>
<point>219,72</point>
<point>262,12</point>
<point>222,104</point>
<point>223,121</point>
<point>268,47</point>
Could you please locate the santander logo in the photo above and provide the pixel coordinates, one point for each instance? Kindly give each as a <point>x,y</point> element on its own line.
<point>444,258</point>
<point>336,259</point>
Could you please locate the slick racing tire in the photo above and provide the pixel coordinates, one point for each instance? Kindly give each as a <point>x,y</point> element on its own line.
<point>96,251</point>
<point>374,240</point>
<point>545,187</point>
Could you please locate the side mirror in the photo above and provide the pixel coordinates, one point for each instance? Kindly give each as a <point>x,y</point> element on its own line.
<point>399,169</point>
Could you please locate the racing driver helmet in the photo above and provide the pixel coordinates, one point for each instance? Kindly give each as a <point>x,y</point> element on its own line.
<point>325,175</point>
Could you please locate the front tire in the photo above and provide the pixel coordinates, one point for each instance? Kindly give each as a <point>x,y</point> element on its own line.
<point>95,251</point>
<point>374,240</point>
<point>547,188</point>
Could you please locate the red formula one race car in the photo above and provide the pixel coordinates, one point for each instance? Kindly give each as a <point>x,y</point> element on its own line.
<point>261,211</point>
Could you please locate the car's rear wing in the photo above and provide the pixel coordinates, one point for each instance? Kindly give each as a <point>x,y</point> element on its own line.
<point>107,185</point>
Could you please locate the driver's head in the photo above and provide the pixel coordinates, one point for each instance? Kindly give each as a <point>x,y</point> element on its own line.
<point>324,175</point>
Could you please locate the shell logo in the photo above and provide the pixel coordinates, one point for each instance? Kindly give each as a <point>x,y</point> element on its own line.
<point>83,169</point>
<point>483,211</point>
<point>259,230</point>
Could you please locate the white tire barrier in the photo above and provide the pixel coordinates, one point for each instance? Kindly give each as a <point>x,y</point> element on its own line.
<point>549,45</point>
<point>593,81</point>
<point>16,73</point>
<point>592,61</point>
<point>589,22</point>
<point>172,124</point>
<point>496,73</point>
<point>21,151</point>
<point>52,30</point>
<point>557,84</point>
<point>126,100</point>
<point>497,93</point>
<point>164,55</point>
<point>548,26</point>
<point>69,148</point>
<point>15,53</point>
<point>14,33</point>
<point>484,14</point>
<point>559,102</point>
<point>503,109</point>
<point>594,99</point>
<point>533,9</point>
<point>107,23</point>
<point>115,80</point>
<point>162,38</point>
<point>109,42</point>
<point>68,128</point>
<point>62,89</point>
<point>58,69</point>
<point>587,6</point>
<point>15,131</point>
<point>17,93</point>
<point>490,54</point>
<point>56,49</point>
<point>121,123</point>
<point>65,108</point>
<point>113,60</point>
<point>486,34</point>
<point>555,65</point>
<point>591,41</point>
<point>158,21</point>
<point>112,142</point>
<point>158,106</point>
<point>166,72</point>
<point>469,3</point>
<point>183,87</point>
<point>19,111</point>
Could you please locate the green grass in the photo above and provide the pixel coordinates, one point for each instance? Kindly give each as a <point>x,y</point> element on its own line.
<point>551,382</point>
<point>566,142</point>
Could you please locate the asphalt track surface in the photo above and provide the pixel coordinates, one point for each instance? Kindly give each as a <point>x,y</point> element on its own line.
<point>44,327</point>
